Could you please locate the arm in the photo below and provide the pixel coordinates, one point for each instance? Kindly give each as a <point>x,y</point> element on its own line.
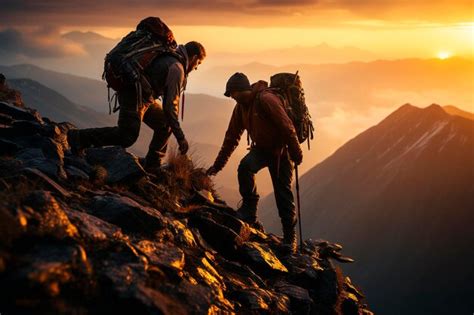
<point>231,139</point>
<point>172,91</point>
<point>272,105</point>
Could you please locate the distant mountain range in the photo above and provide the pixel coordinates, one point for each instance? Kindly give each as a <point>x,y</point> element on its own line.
<point>400,196</point>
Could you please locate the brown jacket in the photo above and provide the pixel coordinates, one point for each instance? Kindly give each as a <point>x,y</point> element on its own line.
<point>266,122</point>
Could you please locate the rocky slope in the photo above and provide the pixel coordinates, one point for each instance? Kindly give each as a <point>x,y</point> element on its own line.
<point>97,234</point>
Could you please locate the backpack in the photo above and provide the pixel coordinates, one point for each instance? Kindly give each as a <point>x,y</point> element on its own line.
<point>124,64</point>
<point>289,87</point>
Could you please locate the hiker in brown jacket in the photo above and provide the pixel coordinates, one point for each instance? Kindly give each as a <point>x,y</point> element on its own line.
<point>274,144</point>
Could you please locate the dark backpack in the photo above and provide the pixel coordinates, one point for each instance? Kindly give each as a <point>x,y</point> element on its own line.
<point>290,89</point>
<point>125,63</point>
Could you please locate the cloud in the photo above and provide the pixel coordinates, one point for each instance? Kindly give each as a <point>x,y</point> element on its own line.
<point>230,12</point>
<point>41,43</point>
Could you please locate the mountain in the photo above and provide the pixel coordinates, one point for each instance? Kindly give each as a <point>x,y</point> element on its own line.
<point>453,110</point>
<point>98,234</point>
<point>57,107</point>
<point>80,90</point>
<point>400,195</point>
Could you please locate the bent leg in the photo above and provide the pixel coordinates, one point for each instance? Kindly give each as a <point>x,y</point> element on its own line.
<point>127,130</point>
<point>154,117</point>
<point>253,162</point>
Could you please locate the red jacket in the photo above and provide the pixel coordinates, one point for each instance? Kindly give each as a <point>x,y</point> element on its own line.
<point>267,123</point>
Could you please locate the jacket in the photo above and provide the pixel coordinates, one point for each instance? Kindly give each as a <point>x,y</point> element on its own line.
<point>266,122</point>
<point>167,76</point>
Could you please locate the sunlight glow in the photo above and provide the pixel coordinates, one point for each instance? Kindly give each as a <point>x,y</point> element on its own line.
<point>444,55</point>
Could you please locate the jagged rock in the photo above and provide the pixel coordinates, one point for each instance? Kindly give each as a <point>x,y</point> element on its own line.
<point>44,271</point>
<point>229,220</point>
<point>259,301</point>
<point>262,258</point>
<point>220,237</point>
<point>92,228</point>
<point>127,214</point>
<point>352,289</point>
<point>121,166</point>
<point>18,113</point>
<point>182,235</point>
<point>163,255</point>
<point>75,173</point>
<point>35,158</point>
<point>300,300</point>
<point>51,183</point>
<point>350,305</point>
<point>78,162</point>
<point>8,147</point>
<point>5,119</point>
<point>46,216</point>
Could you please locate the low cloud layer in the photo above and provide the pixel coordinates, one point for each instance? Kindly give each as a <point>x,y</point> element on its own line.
<point>43,43</point>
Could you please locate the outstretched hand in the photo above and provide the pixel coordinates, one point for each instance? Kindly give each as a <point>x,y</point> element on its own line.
<point>211,171</point>
<point>183,146</point>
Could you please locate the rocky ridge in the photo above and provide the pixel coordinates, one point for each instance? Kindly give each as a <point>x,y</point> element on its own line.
<point>98,234</point>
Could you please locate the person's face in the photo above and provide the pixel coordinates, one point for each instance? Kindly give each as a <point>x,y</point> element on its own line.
<point>240,96</point>
<point>194,62</point>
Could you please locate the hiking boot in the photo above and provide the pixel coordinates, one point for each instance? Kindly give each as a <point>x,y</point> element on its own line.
<point>73,139</point>
<point>289,245</point>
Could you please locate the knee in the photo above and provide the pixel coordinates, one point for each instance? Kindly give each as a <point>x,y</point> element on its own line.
<point>129,136</point>
<point>244,167</point>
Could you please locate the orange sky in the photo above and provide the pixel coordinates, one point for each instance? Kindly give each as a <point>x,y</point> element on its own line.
<point>392,29</point>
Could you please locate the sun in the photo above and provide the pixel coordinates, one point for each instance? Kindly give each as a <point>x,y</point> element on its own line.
<point>444,55</point>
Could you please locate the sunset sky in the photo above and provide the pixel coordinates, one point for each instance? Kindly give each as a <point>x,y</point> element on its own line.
<point>390,29</point>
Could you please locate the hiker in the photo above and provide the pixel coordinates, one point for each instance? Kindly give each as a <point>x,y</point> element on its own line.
<point>274,144</point>
<point>166,76</point>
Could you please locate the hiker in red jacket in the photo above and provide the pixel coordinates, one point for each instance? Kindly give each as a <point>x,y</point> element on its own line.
<point>274,144</point>
<point>167,76</point>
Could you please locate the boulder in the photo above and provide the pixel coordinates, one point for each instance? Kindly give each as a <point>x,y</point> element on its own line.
<point>261,258</point>
<point>121,166</point>
<point>127,214</point>
<point>301,302</point>
<point>18,113</point>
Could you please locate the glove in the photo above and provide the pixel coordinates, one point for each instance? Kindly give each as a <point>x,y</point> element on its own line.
<point>183,146</point>
<point>296,154</point>
<point>211,171</point>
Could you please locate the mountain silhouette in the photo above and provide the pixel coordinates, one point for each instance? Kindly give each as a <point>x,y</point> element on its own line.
<point>400,196</point>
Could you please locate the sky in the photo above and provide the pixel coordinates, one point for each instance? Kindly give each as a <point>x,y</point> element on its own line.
<point>389,29</point>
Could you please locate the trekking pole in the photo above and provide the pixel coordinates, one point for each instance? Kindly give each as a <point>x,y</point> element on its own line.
<point>298,205</point>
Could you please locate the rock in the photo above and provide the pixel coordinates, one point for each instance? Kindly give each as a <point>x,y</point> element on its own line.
<point>51,183</point>
<point>8,147</point>
<point>93,229</point>
<point>127,214</point>
<point>262,258</point>
<point>300,300</point>
<point>45,269</point>
<point>350,305</point>
<point>75,173</point>
<point>121,166</point>
<point>182,235</point>
<point>163,255</point>
<point>351,288</point>
<point>18,113</point>
<point>46,216</point>
<point>259,301</point>
<point>79,163</point>
<point>220,237</point>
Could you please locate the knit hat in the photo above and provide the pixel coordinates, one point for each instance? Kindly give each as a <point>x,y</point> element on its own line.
<point>237,82</point>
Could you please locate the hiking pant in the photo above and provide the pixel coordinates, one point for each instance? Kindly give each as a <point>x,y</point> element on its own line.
<point>126,132</point>
<point>281,173</point>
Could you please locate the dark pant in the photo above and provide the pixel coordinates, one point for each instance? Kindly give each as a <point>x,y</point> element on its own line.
<point>281,173</point>
<point>128,128</point>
